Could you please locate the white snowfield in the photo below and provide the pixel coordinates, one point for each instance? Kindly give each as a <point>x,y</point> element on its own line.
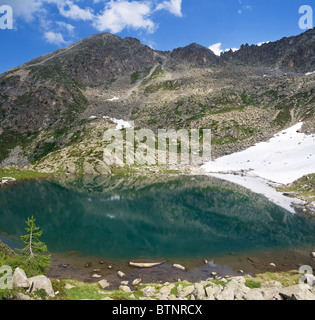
<point>121,124</point>
<point>286,157</point>
<point>309,73</point>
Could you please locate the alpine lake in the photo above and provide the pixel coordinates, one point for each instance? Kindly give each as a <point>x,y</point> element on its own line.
<point>100,224</point>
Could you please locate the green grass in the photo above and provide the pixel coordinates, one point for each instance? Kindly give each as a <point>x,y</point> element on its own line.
<point>252,284</point>
<point>165,85</point>
<point>92,291</point>
<point>135,77</point>
<point>20,174</point>
<point>303,188</point>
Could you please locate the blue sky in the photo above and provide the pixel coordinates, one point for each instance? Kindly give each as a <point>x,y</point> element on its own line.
<point>43,26</point>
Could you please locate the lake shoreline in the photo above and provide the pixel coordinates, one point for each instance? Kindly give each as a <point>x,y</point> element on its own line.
<point>92,269</point>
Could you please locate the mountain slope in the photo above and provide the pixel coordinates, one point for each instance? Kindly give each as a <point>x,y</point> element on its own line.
<point>52,109</point>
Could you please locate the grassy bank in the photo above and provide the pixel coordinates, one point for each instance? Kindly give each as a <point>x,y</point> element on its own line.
<point>303,188</point>
<point>77,290</point>
<point>20,174</point>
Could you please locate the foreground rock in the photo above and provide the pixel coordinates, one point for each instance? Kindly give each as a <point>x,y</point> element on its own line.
<point>236,288</point>
<point>20,280</point>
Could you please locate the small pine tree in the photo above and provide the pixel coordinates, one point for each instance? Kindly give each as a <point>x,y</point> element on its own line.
<point>34,251</point>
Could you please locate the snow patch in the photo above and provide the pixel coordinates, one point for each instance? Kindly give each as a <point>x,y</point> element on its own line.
<point>286,157</point>
<point>121,124</point>
<point>113,99</point>
<point>309,73</point>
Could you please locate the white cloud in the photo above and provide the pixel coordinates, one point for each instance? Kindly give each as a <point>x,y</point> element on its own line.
<point>115,16</point>
<point>65,26</point>
<point>259,44</point>
<point>122,14</point>
<point>25,9</point>
<point>72,11</point>
<point>55,38</point>
<point>217,49</point>
<point>173,6</point>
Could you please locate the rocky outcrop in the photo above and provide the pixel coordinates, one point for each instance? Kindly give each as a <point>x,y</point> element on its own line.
<point>20,280</point>
<point>196,54</point>
<point>292,54</point>
<point>233,289</point>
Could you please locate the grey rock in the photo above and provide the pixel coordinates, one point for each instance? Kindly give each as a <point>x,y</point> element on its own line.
<point>125,289</point>
<point>19,279</point>
<point>41,282</point>
<point>212,291</point>
<point>297,292</point>
<point>228,291</point>
<point>199,291</point>
<point>254,294</point>
<point>136,282</point>
<point>22,296</point>
<point>149,292</point>
<point>184,292</point>
<point>104,283</point>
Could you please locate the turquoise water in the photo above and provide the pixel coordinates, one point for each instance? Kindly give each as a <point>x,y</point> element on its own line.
<point>151,217</point>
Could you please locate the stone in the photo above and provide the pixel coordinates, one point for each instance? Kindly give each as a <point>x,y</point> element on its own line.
<point>254,260</point>
<point>107,298</point>
<point>149,292</point>
<point>121,274</point>
<point>271,293</point>
<point>22,296</point>
<point>240,291</point>
<point>167,289</point>
<point>313,254</point>
<point>212,291</point>
<point>184,292</point>
<point>19,279</point>
<point>136,282</point>
<point>254,294</point>
<point>239,279</point>
<point>272,265</point>
<point>180,267</point>
<point>199,291</point>
<point>104,283</point>
<point>228,291</point>
<point>145,264</point>
<point>125,289</point>
<point>297,292</point>
<point>272,283</point>
<point>124,283</point>
<point>69,286</point>
<point>95,275</point>
<point>41,282</point>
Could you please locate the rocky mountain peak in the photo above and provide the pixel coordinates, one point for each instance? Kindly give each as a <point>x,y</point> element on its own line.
<point>196,54</point>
